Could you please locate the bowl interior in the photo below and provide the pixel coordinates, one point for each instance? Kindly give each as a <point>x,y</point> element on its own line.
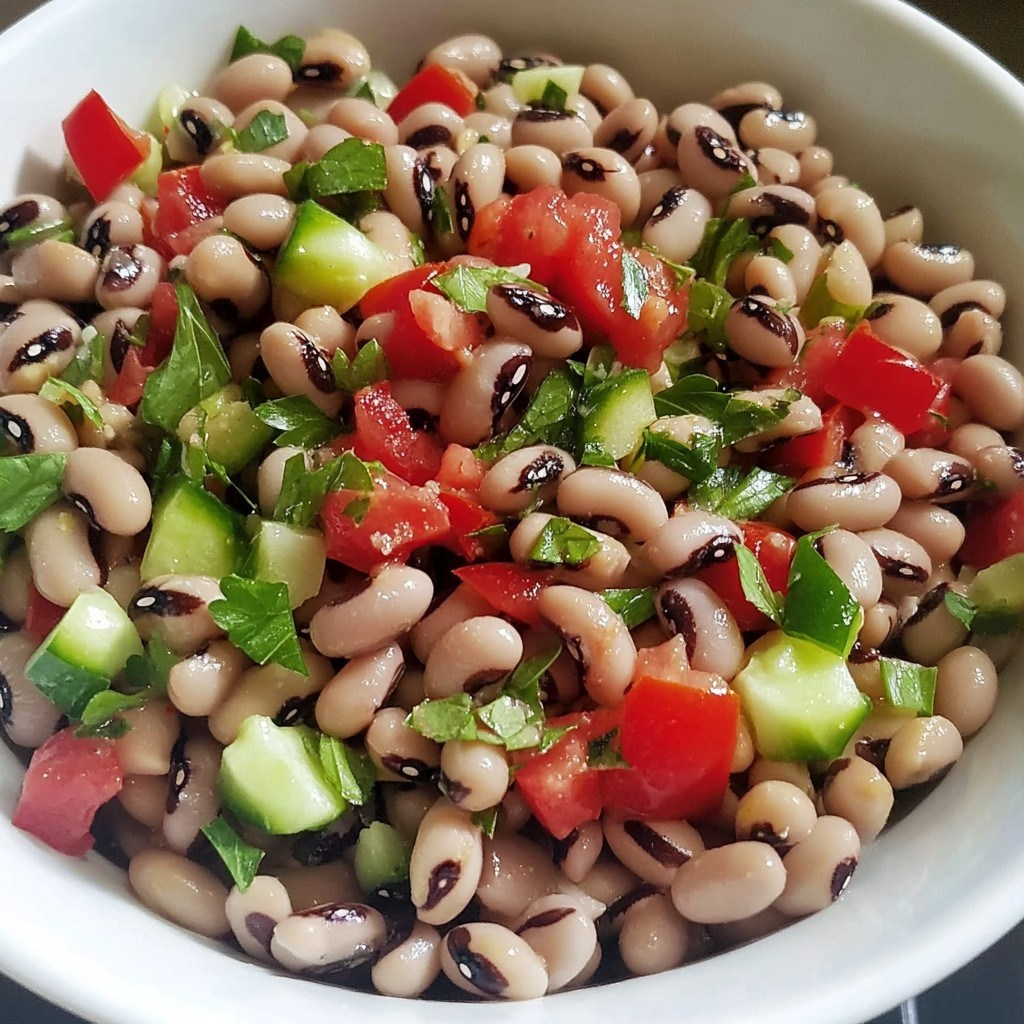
<point>914,114</point>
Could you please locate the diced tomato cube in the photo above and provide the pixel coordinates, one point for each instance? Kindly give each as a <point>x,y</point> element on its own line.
<point>509,588</point>
<point>384,432</point>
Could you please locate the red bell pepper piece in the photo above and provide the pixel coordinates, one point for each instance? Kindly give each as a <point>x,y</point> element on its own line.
<point>104,150</point>
<point>875,378</point>
<point>435,84</point>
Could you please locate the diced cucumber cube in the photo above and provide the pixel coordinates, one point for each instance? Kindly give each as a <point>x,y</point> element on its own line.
<point>620,410</point>
<point>382,857</point>
<point>293,555</point>
<point>529,84</point>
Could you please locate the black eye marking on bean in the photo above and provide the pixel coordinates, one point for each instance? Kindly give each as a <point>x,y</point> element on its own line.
<point>544,469</point>
<point>630,899</point>
<point>679,615</point>
<point>764,832</point>
<point>861,655</point>
<point>545,919</point>
<point>668,204</point>
<point>480,972</point>
<point>452,788</point>
<point>542,115</point>
<point>900,570</point>
<point>846,479</point>
<point>8,625</point>
<point>719,151</point>
<point>882,309</point>
<point>336,913</point>
<point>780,211</point>
<point>312,849</point>
<point>768,319</point>
<point>509,382</point>
<point>95,539</point>
<point>6,701</point>
<point>654,844</point>
<point>196,128</point>
<point>322,72</point>
<point>296,711</point>
<point>605,524</point>
<point>954,478</point>
<point>935,598</point>
<point>411,768</point>
<point>18,431</point>
<point>584,167</point>
<point>957,310</point>
<point>737,111</point>
<point>673,135</point>
<point>97,237</point>
<point>178,776</point>
<point>11,312</point>
<point>541,310</point>
<point>165,603</point>
<point>423,187</point>
<point>121,269</point>
<point>791,118</point>
<point>841,876</point>
<point>510,66</point>
<point>442,879</point>
<point>14,217</point>
<point>945,253</point>
<point>830,231</point>
<point>82,503</point>
<point>261,928</point>
<point>318,369</point>
<point>465,212</point>
<point>847,454</point>
<point>840,764</point>
<point>717,549</point>
<point>900,212</point>
<point>574,645</point>
<point>54,339</point>
<point>873,751</point>
<point>429,135</point>
<point>119,344</point>
<point>623,140</point>
<point>560,848</point>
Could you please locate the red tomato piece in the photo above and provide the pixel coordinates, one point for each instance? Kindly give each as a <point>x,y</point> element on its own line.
<point>773,547</point>
<point>163,322</point>
<point>129,383</point>
<point>384,432</point>
<point>679,741</point>
<point>467,516</point>
<point>822,448</point>
<point>102,147</point>
<point>994,532</point>
<point>41,615</point>
<point>435,84</point>
<point>460,469</point>
<point>67,781</point>
<point>509,588</point>
<point>399,520</point>
<point>876,378</point>
<point>185,210</point>
<point>814,364</point>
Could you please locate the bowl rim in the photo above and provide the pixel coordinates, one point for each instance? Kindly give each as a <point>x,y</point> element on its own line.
<point>998,898</point>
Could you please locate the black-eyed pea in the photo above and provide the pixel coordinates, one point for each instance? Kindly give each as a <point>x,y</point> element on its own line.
<point>180,890</point>
<point>992,388</point>
<point>27,718</point>
<point>558,130</point>
<point>35,426</point>
<point>529,166</point>
<point>514,872</point>
<point>471,654</point>
<point>675,224</point>
<point>15,585</point>
<point>611,500</point>
<point>483,389</point>
<point>388,233</point>
<point>476,180</point>
<point>407,804</point>
<point>792,772</point>
<point>728,883</point>
<point>409,690</point>
<point>476,56</point>
<point>225,276</point>
<point>833,181</point>
<point>874,443</point>
<point>410,189</point>
<point>146,748</point>
<point>922,750</point>
<point>290,147</point>
<point>819,868</point>
<point>926,270</point>
<point>177,607</point>
<point>744,751</point>
<point>501,99</point>
<point>55,270</point>
<point>270,475</point>
<point>579,105</point>
<point>489,960</point>
<point>981,295</point>
<point>111,223</point>
<point>768,275</point>
<point>865,666</point>
<point>462,604</point>
<point>831,495</point>
<point>263,220</point>
<point>548,327</point>
<point>966,689</point>
<point>61,556</point>
<point>970,438</point>
<point>926,474</point>
<point>144,798</point>
<point>628,128</point>
<point>691,609</point>
<point>328,329</point>
<point>39,343</point>
<point>906,323</point>
<point>446,863</point>
<point>562,933</point>
<point>668,483</point>
<point>851,214</point>
<point>596,637</point>
<point>847,278</point>
<point>333,937</point>
<point>854,563</point>
<point>762,335</point>
<point>254,913</point>
<point>653,186</point>
<point>776,166</point>
<point>738,100</point>
<point>199,684</point>
<point>933,631</point>
<point>352,697</point>
<point>578,852</point>
<point>815,163</point>
<point>856,790</point>
<point>652,850</point>
<point>333,59</point>
<point>881,621</point>
<point>244,357</point>
<point>299,366</point>
<point>111,494</point>
<point>710,161</point>
<point>233,175</point>
<point>800,416</point>
<point>363,119</point>
<point>481,127</point>
<point>196,130</point>
<point>690,542</point>
<point>27,212</point>
<point>803,266</point>
<point>905,564</point>
<point>777,813</point>
<point>407,968</point>
<point>400,753</point>
<point>790,130</point>
<point>474,775</point>
<point>320,884</point>
<point>904,225</point>
<point>192,800</point>
<point>973,331</point>
<point>272,690</point>
<point>430,125</point>
<point>603,172</point>
<point>1001,466</point>
<point>254,77</point>
<point>605,87</point>
<point>687,116</point>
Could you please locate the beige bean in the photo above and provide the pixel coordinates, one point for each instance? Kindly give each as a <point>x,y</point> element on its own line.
<point>904,225</point>
<point>654,937</point>
<point>856,790</point>
<point>613,501</point>
<point>728,883</point>
<point>935,528</point>
<point>529,166</point>
<point>263,220</point>
<point>692,610</point>
<point>815,163</point>
<point>850,214</point>
<point>926,270</point>
<point>400,753</point>
<point>993,390</point>
<point>490,960</point>
<point>55,270</point>
<point>690,542</point>
<point>409,968</point>
<point>199,684</point>
<point>474,775</point>
<point>470,655</point>
<point>854,563</point>
<point>775,812</point>
<point>333,59</point>
<point>233,175</point>
<point>578,852</point>
<point>34,426</point>
<point>446,863</point>
<point>410,188</point>
<point>966,689</point>
<point>764,770</point>
<point>921,751</point>
<point>905,564</point>
<point>907,324</point>
<point>515,872</point>
<point>62,561</point>
<point>803,267</point>
<point>146,748</point>
<point>833,495</point>
<point>335,936</point>
<point>820,868</point>
<point>253,914</point>
<point>177,607</point>
<point>192,799</point>
<point>27,718</point>
<point>254,77</point>
<point>349,701</point>
<point>562,933</point>
<point>111,494</point>
<point>144,797</point>
<point>558,130</point>
<point>463,603</point>
<point>181,891</point>
<point>36,345</point>
<point>652,850</point>
<point>668,483</point>
<point>321,885</point>
<point>710,160</point>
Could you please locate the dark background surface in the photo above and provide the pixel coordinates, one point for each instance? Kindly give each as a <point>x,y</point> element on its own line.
<point>990,990</point>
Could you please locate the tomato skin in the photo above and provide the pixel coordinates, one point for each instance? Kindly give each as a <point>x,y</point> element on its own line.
<point>994,532</point>
<point>460,469</point>
<point>876,378</point>
<point>467,516</point>
<point>773,547</point>
<point>679,741</point>
<point>129,383</point>
<point>67,781</point>
<point>511,589</point>
<point>41,615</point>
<point>163,321</point>
<point>824,447</point>
<point>435,84</point>
<point>814,365</point>
<point>384,432</point>
<point>400,519</point>
<point>185,210</point>
<point>102,147</point>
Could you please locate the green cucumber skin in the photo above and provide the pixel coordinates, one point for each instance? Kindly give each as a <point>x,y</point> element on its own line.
<point>234,434</point>
<point>70,687</point>
<point>1001,586</point>
<point>269,778</point>
<point>623,407</point>
<point>327,260</point>
<point>529,84</point>
<point>193,534</point>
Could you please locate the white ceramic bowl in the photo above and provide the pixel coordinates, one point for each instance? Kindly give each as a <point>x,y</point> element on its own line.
<point>915,114</point>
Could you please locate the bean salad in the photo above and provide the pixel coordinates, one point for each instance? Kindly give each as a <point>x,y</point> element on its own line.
<point>489,534</point>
